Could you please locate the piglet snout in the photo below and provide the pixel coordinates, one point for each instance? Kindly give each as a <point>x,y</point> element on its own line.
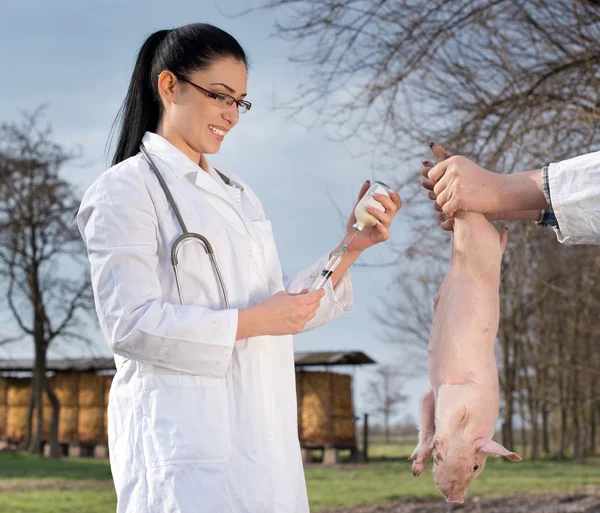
<point>455,500</point>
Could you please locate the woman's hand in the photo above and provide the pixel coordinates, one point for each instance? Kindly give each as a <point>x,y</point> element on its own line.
<point>280,314</point>
<point>447,222</point>
<point>373,234</point>
<point>459,184</point>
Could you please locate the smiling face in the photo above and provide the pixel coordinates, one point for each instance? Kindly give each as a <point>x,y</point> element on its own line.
<point>192,121</point>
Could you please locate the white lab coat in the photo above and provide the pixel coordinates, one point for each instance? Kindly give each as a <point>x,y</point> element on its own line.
<point>197,422</point>
<point>575,195</point>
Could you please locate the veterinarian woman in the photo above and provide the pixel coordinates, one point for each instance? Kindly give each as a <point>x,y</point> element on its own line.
<point>202,410</point>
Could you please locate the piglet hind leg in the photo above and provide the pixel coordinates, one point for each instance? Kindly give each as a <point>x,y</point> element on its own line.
<point>422,453</point>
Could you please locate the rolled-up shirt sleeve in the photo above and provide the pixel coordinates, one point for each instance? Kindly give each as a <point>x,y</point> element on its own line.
<point>574,187</point>
<point>117,221</point>
<point>338,301</point>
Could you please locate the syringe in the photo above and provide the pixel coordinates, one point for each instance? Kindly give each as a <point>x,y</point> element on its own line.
<point>327,271</point>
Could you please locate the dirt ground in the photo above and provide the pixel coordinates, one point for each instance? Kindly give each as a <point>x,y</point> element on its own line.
<point>585,502</point>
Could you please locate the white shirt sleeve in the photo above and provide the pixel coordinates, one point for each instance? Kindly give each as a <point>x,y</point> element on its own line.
<point>575,193</point>
<point>117,221</point>
<point>338,301</point>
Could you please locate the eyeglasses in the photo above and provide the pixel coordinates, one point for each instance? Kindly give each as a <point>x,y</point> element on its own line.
<point>222,100</point>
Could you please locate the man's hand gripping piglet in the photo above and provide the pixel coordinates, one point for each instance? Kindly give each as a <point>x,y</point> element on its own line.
<point>459,413</point>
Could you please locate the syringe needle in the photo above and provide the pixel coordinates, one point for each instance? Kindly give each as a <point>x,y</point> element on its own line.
<point>347,243</point>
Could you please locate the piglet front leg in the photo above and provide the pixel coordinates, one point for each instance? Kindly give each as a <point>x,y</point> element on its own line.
<point>422,453</point>
<point>450,414</point>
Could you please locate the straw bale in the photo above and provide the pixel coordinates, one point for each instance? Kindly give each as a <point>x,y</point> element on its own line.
<point>19,392</point>
<point>343,394</point>
<point>16,422</point>
<point>344,430</point>
<point>3,412</point>
<point>67,423</point>
<point>3,390</point>
<point>312,393</point>
<point>65,387</point>
<point>91,424</point>
<point>107,384</point>
<point>299,397</point>
<point>91,390</point>
<point>315,406</point>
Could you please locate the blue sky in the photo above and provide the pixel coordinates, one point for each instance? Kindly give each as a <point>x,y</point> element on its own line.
<point>76,57</point>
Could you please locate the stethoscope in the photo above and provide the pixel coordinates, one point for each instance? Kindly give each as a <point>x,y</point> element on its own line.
<point>187,236</point>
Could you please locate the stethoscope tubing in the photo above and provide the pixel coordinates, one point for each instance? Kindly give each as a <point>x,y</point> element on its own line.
<point>186,236</point>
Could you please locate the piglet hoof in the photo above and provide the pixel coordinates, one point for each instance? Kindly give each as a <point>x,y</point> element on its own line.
<point>418,467</point>
<point>439,450</point>
<point>419,457</point>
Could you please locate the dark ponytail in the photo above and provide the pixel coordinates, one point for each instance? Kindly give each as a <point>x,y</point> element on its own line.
<point>183,50</point>
<point>140,110</point>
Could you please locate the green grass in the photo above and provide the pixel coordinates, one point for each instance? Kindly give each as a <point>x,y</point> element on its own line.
<point>79,501</point>
<point>22,465</point>
<point>400,449</point>
<point>386,481</point>
<point>29,484</point>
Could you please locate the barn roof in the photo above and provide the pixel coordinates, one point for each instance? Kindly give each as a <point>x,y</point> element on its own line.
<point>302,359</point>
<point>65,364</point>
<point>332,358</point>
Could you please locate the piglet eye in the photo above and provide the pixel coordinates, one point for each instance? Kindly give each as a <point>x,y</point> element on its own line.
<point>475,468</point>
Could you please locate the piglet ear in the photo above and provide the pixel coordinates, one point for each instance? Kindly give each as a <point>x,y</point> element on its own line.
<point>488,446</point>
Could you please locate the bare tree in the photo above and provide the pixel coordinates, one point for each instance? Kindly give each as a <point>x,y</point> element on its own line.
<point>505,80</point>
<point>548,339</point>
<point>513,84</point>
<point>384,396</point>
<point>42,258</point>
<point>510,83</point>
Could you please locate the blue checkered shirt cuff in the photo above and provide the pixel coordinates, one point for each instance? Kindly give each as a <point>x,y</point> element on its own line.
<point>547,217</point>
